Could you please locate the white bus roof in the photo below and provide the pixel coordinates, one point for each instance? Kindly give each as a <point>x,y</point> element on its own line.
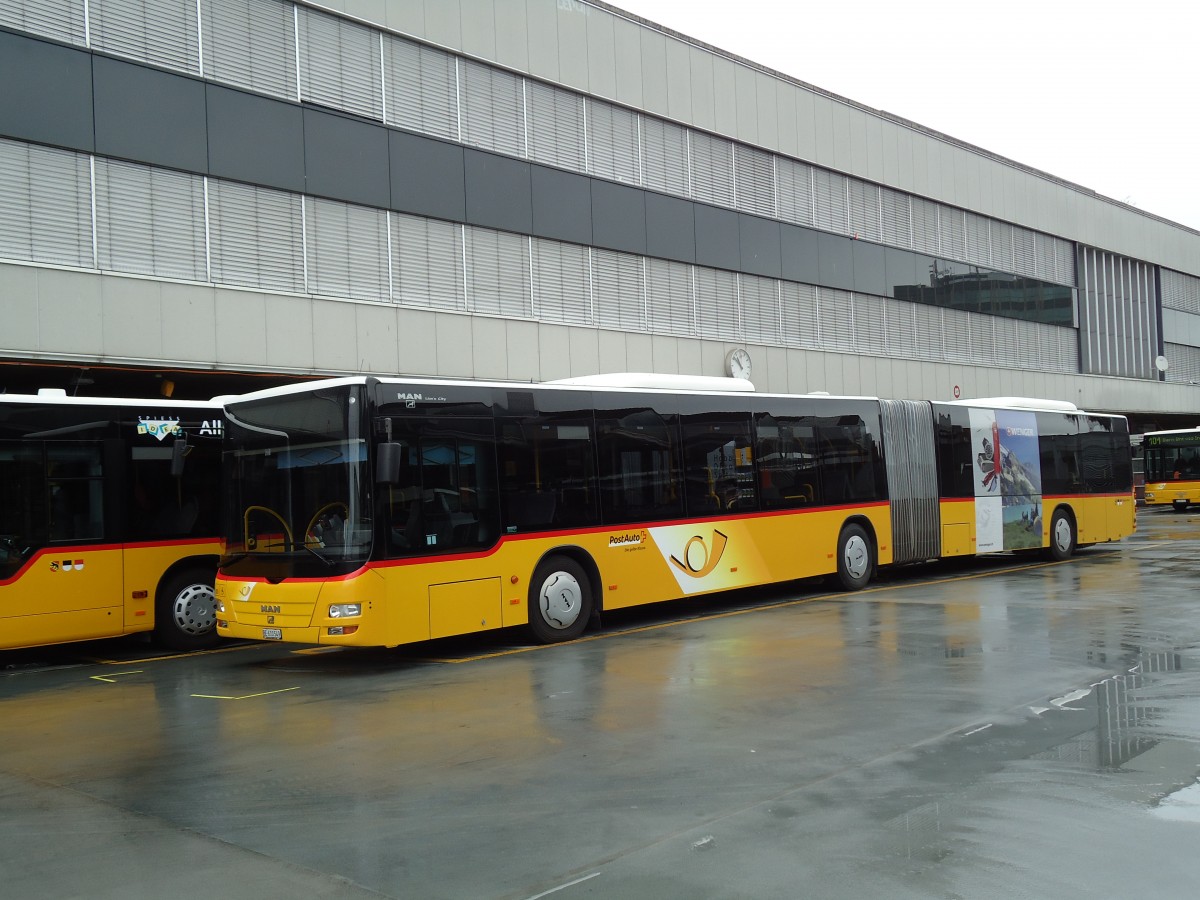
<point>58,397</point>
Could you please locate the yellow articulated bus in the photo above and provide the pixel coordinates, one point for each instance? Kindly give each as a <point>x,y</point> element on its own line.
<point>1172,465</point>
<point>109,519</point>
<point>379,512</point>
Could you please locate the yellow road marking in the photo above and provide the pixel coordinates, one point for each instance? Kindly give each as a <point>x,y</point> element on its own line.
<point>245,696</point>
<point>111,679</point>
<point>191,654</point>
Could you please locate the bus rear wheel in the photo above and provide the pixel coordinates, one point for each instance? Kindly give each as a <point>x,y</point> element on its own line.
<point>1179,505</point>
<point>560,600</point>
<point>185,615</point>
<point>855,558</point>
<point>1062,536</point>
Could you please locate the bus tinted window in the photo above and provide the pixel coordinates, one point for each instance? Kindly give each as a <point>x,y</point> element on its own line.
<point>638,453</point>
<point>718,464</point>
<point>547,471</point>
<point>849,457</point>
<point>75,490</point>
<point>787,461</point>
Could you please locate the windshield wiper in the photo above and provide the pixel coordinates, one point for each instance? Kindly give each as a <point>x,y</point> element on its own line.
<point>322,557</point>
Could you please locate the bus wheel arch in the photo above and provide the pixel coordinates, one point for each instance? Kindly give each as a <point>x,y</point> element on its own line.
<point>857,556</point>
<point>564,595</point>
<point>1064,534</point>
<point>185,614</point>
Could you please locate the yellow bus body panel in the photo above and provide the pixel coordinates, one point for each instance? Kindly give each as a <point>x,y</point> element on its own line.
<point>407,601</point>
<point>1166,493</point>
<point>68,594</point>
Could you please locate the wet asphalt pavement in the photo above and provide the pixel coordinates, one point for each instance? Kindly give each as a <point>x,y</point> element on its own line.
<point>999,728</point>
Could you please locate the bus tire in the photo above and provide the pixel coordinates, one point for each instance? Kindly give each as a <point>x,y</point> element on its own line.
<point>560,600</point>
<point>1062,536</point>
<point>185,614</point>
<point>855,558</point>
<point>1179,505</point>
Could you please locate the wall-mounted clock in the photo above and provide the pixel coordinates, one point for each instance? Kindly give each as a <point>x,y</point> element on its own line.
<point>737,363</point>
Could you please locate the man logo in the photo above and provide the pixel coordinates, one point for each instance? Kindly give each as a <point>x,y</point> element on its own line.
<point>697,560</point>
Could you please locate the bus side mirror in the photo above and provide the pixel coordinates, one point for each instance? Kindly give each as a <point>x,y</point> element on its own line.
<point>387,463</point>
<point>179,451</point>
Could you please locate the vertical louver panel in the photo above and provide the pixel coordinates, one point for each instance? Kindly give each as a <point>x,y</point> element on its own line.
<point>162,32</point>
<point>347,250</point>
<point>870,324</point>
<point>618,286</point>
<point>1024,251</point>
<point>613,142</point>
<point>956,335</point>
<point>427,263</point>
<point>795,191</point>
<point>339,64</point>
<point>256,237</point>
<point>1002,246</point>
<point>498,279</point>
<point>712,169</point>
<point>835,319</point>
<point>901,329</point>
<point>59,19</point>
<point>952,232</point>
<point>897,218</point>
<point>1044,266</point>
<point>421,88</point>
<point>928,339</point>
<point>760,309</point>
<point>150,221</point>
<point>492,108</point>
<point>561,283</point>
<point>754,173</point>
<point>251,44</point>
<point>669,303</point>
<point>978,240</point>
<point>829,201</point>
<point>798,314</point>
<point>717,304</point>
<point>1064,262</point>
<point>45,205</point>
<point>664,157</point>
<point>864,210</point>
<point>556,126</point>
<point>925,226</point>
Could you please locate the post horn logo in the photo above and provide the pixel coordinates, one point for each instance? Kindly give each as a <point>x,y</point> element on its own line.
<point>698,560</point>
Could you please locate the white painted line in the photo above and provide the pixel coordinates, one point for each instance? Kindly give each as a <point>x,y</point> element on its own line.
<point>555,890</point>
<point>979,729</point>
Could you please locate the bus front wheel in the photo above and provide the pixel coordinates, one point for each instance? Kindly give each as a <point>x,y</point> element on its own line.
<point>1062,536</point>
<point>560,600</point>
<point>185,616</point>
<point>855,558</point>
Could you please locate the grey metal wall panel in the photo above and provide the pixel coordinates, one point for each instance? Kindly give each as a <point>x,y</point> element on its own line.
<point>562,205</point>
<point>679,81</point>
<point>478,28</point>
<point>760,246</point>
<point>427,176</point>
<point>573,45</point>
<point>149,116</point>
<point>654,73</point>
<point>255,139</point>
<point>346,159</point>
<point>618,217</point>
<point>725,95</point>
<point>670,228</point>
<point>704,102</point>
<point>512,37</point>
<point>46,94</point>
<point>601,56</point>
<point>543,41</point>
<point>768,122</point>
<point>498,192</point>
<point>799,254</point>
<point>443,23</point>
<point>745,83</point>
<point>836,261</point>
<point>628,50</point>
<point>718,240</point>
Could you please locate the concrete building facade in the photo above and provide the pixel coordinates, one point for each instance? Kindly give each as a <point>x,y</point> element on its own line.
<point>536,189</point>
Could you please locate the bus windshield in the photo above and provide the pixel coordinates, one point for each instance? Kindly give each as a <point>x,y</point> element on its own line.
<point>297,489</point>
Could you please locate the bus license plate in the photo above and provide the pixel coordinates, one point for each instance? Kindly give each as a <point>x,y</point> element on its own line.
<point>272,634</point>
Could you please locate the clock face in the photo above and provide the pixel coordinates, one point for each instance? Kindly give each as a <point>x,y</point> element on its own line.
<point>738,363</point>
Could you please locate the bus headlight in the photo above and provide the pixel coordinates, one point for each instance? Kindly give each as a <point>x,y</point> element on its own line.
<point>220,606</point>
<point>345,610</point>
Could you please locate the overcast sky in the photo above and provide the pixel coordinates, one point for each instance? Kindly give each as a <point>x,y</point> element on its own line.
<point>1100,93</point>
